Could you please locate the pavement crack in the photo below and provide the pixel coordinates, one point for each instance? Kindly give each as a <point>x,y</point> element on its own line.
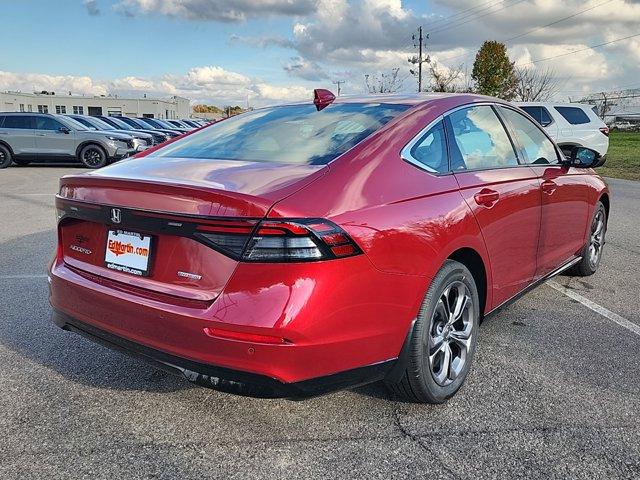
<point>425,447</point>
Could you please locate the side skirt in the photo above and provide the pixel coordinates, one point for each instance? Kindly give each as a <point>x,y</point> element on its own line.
<point>534,285</point>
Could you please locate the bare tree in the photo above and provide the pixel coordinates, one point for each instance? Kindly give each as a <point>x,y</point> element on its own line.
<point>384,82</point>
<point>445,79</point>
<point>536,85</point>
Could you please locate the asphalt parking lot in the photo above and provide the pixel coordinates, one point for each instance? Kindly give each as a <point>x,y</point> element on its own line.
<point>554,393</point>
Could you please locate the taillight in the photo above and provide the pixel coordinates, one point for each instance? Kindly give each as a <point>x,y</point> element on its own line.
<point>296,240</point>
<point>605,131</point>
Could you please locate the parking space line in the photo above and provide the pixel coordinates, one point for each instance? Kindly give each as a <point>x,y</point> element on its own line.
<point>34,194</point>
<point>614,317</point>
<point>18,277</point>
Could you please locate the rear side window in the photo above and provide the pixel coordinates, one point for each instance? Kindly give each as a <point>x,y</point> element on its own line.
<point>479,140</point>
<point>290,134</point>
<point>538,149</point>
<point>431,150</point>
<point>573,115</point>
<point>17,121</point>
<point>540,115</point>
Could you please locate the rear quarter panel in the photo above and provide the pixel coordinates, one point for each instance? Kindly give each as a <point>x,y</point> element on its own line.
<point>406,220</point>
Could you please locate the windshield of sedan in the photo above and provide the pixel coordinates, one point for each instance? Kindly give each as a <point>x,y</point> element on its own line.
<point>120,124</point>
<point>100,125</point>
<point>144,123</point>
<point>289,134</point>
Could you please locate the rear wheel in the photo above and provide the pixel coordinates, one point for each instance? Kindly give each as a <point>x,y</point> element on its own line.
<point>592,251</point>
<point>93,156</point>
<point>5,157</point>
<point>444,339</point>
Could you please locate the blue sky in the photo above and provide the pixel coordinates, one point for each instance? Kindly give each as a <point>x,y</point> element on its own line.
<point>223,51</point>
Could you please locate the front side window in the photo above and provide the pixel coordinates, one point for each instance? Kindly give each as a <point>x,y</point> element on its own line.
<point>431,150</point>
<point>479,140</point>
<point>573,115</point>
<point>47,123</point>
<point>298,134</point>
<point>538,149</point>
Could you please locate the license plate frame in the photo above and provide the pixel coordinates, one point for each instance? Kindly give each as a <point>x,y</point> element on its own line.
<point>128,252</point>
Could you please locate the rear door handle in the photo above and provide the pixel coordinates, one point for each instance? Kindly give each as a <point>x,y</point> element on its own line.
<point>486,197</point>
<point>549,187</point>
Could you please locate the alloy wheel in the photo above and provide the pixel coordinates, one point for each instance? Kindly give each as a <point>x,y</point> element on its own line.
<point>596,239</point>
<point>92,157</point>
<point>450,333</point>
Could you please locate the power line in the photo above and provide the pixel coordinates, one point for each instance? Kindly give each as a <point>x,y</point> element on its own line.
<point>449,17</point>
<point>557,21</point>
<point>493,12</point>
<point>590,47</point>
<point>465,55</point>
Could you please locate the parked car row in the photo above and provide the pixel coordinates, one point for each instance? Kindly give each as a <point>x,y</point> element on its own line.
<point>93,141</point>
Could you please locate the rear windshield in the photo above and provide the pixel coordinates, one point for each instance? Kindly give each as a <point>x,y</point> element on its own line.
<point>290,134</point>
<point>573,115</point>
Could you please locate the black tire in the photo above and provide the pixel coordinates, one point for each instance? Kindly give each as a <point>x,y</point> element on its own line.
<point>21,161</point>
<point>93,156</point>
<point>5,157</point>
<point>418,383</point>
<point>590,263</point>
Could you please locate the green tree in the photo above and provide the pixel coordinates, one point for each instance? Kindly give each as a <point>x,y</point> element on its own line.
<point>493,72</point>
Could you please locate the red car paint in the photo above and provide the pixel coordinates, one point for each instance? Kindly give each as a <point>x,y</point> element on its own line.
<point>297,321</point>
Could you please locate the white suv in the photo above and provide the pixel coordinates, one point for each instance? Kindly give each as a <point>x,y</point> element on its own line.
<point>570,125</point>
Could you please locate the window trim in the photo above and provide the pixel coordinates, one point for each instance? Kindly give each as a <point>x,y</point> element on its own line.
<point>405,153</point>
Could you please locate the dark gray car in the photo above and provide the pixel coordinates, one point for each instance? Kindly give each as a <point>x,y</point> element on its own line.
<point>141,140</point>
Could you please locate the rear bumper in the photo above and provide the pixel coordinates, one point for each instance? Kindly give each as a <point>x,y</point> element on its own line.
<point>226,379</point>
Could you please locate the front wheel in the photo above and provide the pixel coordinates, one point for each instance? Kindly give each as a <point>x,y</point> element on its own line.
<point>444,339</point>
<point>592,251</point>
<point>5,157</point>
<point>93,156</point>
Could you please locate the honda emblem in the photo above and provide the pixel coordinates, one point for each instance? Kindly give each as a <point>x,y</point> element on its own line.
<point>116,215</point>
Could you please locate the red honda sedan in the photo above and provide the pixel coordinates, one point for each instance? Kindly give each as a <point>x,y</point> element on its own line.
<point>299,249</point>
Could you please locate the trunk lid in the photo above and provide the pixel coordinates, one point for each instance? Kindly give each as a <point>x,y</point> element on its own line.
<point>154,208</point>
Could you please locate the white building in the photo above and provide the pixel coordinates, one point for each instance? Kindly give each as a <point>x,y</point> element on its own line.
<point>50,102</point>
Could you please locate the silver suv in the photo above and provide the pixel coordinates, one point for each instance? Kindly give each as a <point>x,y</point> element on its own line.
<point>25,137</point>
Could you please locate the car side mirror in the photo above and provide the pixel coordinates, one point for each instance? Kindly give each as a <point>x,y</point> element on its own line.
<point>583,157</point>
<point>64,130</point>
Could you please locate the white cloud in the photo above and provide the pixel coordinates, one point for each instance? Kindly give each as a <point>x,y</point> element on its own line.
<point>92,7</point>
<point>210,84</point>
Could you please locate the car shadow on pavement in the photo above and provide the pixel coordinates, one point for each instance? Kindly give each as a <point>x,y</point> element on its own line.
<point>27,330</point>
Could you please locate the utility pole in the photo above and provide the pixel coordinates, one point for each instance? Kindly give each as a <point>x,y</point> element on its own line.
<point>338,83</point>
<point>419,59</point>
